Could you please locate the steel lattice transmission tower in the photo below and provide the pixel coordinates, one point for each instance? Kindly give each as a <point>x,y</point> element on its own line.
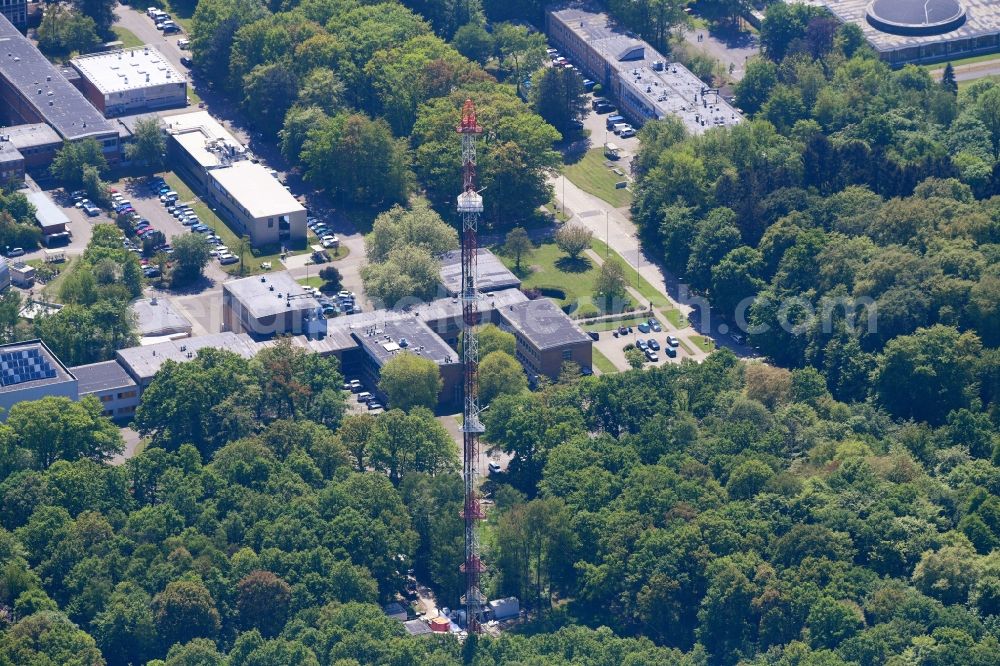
<point>470,206</point>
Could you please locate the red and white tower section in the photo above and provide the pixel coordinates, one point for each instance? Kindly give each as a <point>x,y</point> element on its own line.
<point>470,207</point>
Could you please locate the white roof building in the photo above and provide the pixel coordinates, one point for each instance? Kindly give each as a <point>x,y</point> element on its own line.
<point>130,80</point>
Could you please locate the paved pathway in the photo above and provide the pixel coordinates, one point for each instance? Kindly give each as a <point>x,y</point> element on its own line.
<point>971,71</point>
<point>614,226</point>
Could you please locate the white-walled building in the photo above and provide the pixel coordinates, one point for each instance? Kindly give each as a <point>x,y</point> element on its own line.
<point>251,200</point>
<point>130,81</point>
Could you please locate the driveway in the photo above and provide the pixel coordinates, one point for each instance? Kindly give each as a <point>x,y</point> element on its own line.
<point>135,20</point>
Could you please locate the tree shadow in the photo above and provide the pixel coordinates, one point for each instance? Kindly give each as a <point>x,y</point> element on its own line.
<point>576,264</point>
<point>575,151</point>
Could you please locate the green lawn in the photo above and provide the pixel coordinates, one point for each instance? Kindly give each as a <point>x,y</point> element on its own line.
<point>603,363</point>
<point>547,268</point>
<point>650,293</point>
<point>704,344</point>
<point>556,211</point>
<point>127,37</point>
<point>311,281</point>
<point>963,61</point>
<point>591,175</point>
<point>611,325</point>
<point>684,346</point>
<point>253,260</point>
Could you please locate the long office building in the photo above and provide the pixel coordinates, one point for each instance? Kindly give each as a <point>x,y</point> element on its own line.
<point>32,90</point>
<point>130,81</point>
<point>645,84</point>
<point>251,199</point>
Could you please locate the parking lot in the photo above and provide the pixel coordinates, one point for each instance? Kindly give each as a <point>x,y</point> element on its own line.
<point>614,347</point>
<point>148,205</point>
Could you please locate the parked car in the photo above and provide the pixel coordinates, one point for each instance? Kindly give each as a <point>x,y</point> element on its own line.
<point>670,351</point>
<point>653,344</point>
<point>16,252</point>
<point>230,259</point>
<point>183,43</point>
<point>373,405</point>
<point>594,335</point>
<point>91,210</point>
<point>654,325</point>
<point>643,327</point>
<point>672,341</point>
<point>627,133</point>
<point>652,356</point>
<point>151,272</point>
<point>171,28</point>
<point>641,344</point>
<point>365,396</point>
<point>187,62</point>
<point>494,468</point>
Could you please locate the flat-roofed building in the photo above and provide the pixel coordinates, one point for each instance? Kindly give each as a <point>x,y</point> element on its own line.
<point>266,306</point>
<point>30,371</point>
<point>143,362</point>
<point>16,12</point>
<point>11,163</point>
<point>130,81</point>
<point>921,31</point>
<point>157,320</point>
<point>644,83</point>
<point>33,91</point>
<point>492,274</point>
<point>108,382</point>
<point>37,143</point>
<point>249,197</point>
<point>546,337</point>
<point>48,215</point>
<point>383,341</point>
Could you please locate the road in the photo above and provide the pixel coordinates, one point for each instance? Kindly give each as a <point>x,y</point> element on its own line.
<point>136,21</point>
<point>614,226</point>
<point>971,71</point>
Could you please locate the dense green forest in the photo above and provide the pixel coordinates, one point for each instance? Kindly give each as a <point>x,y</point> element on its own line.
<point>851,225</point>
<point>375,85</point>
<point>700,514</point>
<point>842,512</point>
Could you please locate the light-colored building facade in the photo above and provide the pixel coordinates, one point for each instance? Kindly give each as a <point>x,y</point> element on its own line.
<point>645,84</point>
<point>251,200</point>
<point>271,305</point>
<point>130,81</point>
<point>921,31</point>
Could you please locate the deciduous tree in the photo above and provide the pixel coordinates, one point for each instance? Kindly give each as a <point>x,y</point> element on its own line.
<point>411,381</point>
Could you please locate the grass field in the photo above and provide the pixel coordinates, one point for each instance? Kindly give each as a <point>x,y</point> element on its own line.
<point>704,344</point>
<point>603,363</point>
<point>311,281</point>
<point>253,260</point>
<point>548,268</point>
<point>592,176</point>
<point>684,346</point>
<point>650,293</point>
<point>127,37</point>
<point>611,325</point>
<point>963,61</point>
